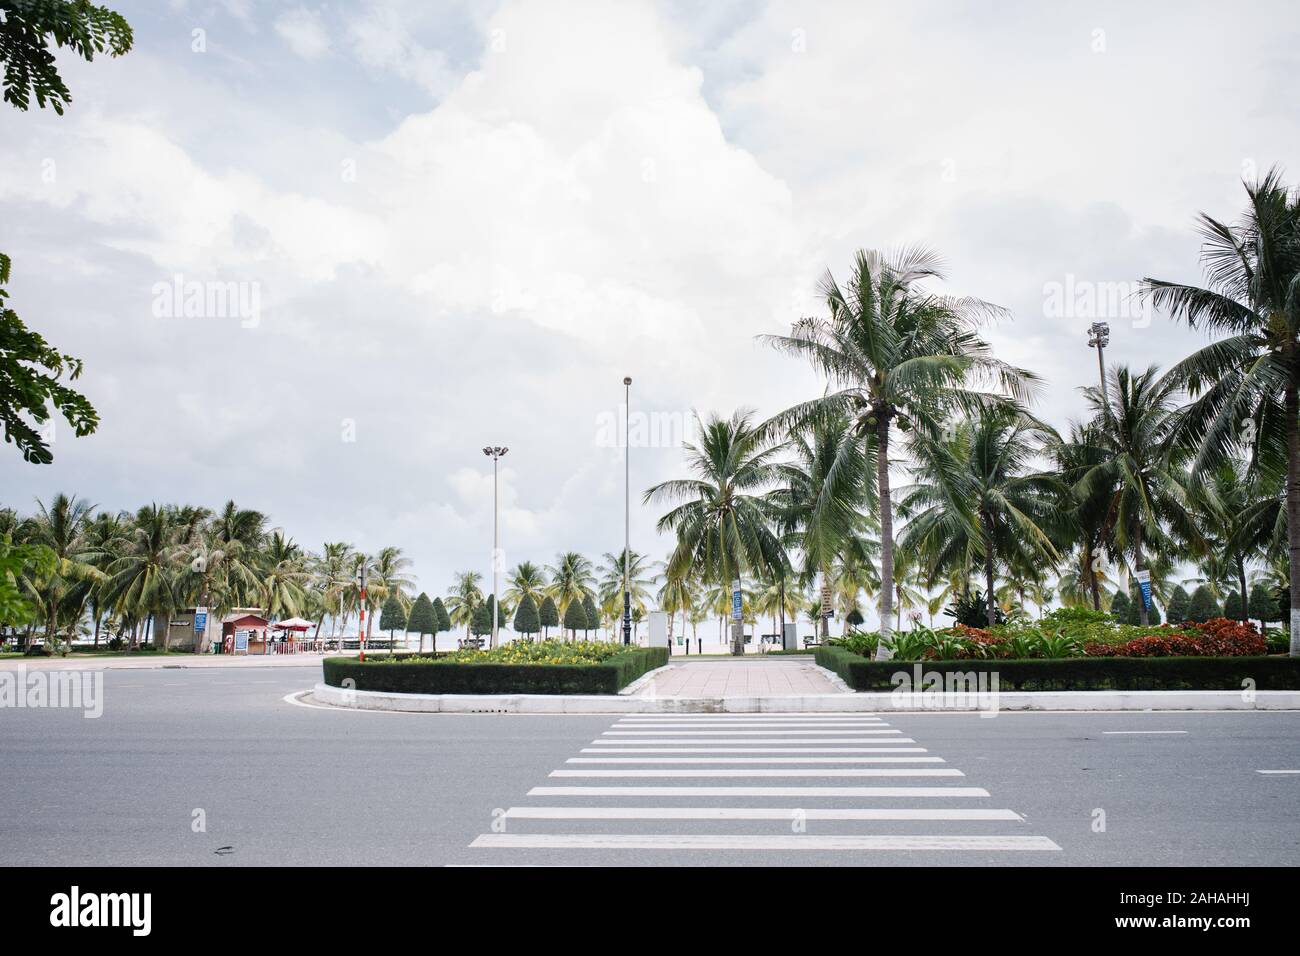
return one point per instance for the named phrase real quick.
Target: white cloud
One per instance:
(304, 30)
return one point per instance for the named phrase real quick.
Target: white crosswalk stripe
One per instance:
(722, 762)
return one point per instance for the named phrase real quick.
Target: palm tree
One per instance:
(1140, 464)
(639, 582)
(677, 594)
(572, 579)
(283, 577)
(526, 580)
(1088, 507)
(238, 534)
(1246, 387)
(385, 576)
(464, 598)
(331, 577)
(63, 528)
(725, 523)
(1238, 517)
(142, 578)
(894, 352)
(976, 501)
(823, 488)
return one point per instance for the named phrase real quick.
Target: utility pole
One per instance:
(496, 453)
(361, 631)
(627, 513)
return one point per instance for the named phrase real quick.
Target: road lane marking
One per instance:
(777, 772)
(752, 813)
(763, 740)
(1279, 772)
(713, 760)
(688, 841)
(697, 791)
(753, 750)
(783, 723)
(1124, 732)
(736, 732)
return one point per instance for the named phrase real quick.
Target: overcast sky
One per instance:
(460, 224)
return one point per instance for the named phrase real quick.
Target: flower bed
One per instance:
(1081, 673)
(542, 667)
(1065, 635)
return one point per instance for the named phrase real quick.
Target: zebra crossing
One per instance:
(759, 782)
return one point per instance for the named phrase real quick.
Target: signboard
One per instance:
(735, 604)
(200, 620)
(1144, 583)
(828, 606)
(241, 642)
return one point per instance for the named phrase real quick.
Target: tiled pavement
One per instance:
(741, 677)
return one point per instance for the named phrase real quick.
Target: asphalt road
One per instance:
(272, 782)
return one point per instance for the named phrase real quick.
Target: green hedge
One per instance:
(439, 677)
(1082, 673)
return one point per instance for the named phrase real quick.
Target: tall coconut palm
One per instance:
(572, 579)
(725, 523)
(1088, 510)
(676, 596)
(331, 572)
(1238, 516)
(894, 352)
(976, 501)
(640, 580)
(525, 580)
(142, 578)
(63, 528)
(284, 576)
(386, 576)
(823, 490)
(464, 598)
(1246, 387)
(1140, 464)
(238, 534)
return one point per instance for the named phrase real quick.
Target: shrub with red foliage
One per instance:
(1217, 637)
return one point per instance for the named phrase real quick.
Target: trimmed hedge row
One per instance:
(1080, 673)
(448, 677)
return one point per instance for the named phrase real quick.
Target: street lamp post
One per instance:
(1099, 338)
(627, 513)
(496, 453)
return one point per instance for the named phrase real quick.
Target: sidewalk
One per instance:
(741, 677)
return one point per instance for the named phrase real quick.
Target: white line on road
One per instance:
(806, 715)
(761, 740)
(781, 723)
(687, 841)
(1279, 772)
(711, 760)
(753, 750)
(750, 813)
(1123, 732)
(715, 733)
(778, 772)
(942, 792)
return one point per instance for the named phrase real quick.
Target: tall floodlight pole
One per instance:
(496, 453)
(1099, 338)
(627, 513)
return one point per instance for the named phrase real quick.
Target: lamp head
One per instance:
(627, 379)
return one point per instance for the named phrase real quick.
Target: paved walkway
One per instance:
(741, 677)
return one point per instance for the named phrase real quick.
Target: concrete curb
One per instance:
(644, 679)
(1169, 700)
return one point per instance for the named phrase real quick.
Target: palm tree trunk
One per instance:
(1293, 506)
(1092, 580)
(1241, 580)
(990, 600)
(1137, 562)
(886, 533)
